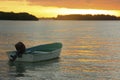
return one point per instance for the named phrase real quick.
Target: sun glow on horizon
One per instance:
(65, 11)
(54, 12)
(41, 11)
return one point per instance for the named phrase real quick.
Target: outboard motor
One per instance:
(20, 47)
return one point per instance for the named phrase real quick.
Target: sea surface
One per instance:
(91, 50)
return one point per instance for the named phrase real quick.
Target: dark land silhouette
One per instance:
(16, 16)
(44, 18)
(87, 17)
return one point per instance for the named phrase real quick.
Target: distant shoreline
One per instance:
(87, 17)
(77, 20)
(23, 16)
(17, 16)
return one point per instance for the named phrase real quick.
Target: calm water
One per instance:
(91, 50)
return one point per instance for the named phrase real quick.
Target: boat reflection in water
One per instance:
(23, 69)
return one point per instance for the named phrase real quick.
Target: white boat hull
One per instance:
(38, 53)
(36, 56)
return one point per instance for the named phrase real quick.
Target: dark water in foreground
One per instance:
(91, 50)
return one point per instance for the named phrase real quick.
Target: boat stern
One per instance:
(11, 53)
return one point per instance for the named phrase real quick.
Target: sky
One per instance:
(51, 8)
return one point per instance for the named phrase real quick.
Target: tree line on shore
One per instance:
(16, 16)
(87, 17)
(27, 16)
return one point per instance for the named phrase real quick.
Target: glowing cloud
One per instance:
(51, 8)
(79, 4)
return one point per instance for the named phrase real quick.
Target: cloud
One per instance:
(51, 8)
(78, 4)
(81, 4)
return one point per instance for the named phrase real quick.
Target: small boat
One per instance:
(39, 53)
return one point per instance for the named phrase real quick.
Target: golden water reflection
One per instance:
(90, 51)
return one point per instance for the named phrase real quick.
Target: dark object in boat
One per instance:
(20, 47)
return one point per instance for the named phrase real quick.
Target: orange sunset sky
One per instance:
(51, 8)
